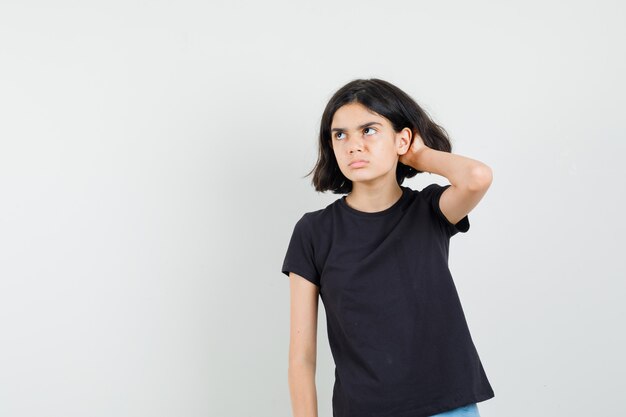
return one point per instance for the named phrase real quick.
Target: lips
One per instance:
(358, 162)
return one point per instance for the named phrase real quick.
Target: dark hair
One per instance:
(388, 101)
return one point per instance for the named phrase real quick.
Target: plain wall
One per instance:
(152, 157)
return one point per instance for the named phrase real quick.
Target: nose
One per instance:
(356, 144)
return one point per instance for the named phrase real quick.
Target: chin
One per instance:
(361, 178)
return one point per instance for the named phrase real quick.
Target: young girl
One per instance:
(378, 259)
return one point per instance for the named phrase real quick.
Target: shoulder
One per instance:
(431, 194)
(318, 218)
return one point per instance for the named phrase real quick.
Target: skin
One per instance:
(304, 301)
(374, 188)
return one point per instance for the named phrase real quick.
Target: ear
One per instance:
(403, 140)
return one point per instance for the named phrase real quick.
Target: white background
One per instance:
(152, 157)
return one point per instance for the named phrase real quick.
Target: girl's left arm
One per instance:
(470, 179)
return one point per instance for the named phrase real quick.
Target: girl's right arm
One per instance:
(303, 346)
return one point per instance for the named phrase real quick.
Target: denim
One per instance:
(470, 410)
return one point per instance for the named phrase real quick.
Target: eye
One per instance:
(367, 128)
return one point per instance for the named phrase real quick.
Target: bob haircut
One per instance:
(388, 101)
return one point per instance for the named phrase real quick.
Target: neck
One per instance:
(373, 199)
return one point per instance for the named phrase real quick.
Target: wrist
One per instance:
(418, 156)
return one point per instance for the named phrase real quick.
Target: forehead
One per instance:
(352, 115)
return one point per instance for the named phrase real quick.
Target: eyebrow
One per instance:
(341, 129)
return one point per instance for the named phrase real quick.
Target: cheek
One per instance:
(390, 155)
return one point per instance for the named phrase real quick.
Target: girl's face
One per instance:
(358, 134)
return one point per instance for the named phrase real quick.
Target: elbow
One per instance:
(300, 361)
(481, 178)
(301, 367)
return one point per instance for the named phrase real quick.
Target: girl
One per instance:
(378, 259)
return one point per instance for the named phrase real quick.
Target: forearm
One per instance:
(461, 171)
(302, 389)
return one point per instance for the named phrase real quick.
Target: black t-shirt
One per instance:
(396, 328)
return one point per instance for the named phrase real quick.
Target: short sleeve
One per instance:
(432, 193)
(299, 258)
